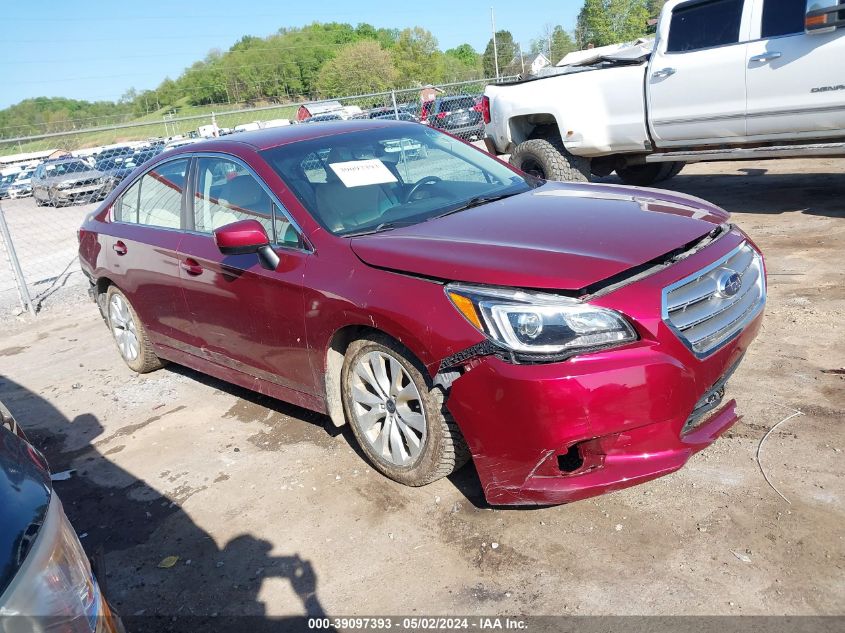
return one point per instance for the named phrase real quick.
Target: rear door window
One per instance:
(704, 24)
(783, 17)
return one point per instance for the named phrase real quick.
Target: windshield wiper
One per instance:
(477, 201)
(384, 226)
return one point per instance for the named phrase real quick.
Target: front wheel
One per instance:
(397, 416)
(129, 334)
(550, 160)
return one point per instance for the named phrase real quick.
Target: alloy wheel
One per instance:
(123, 328)
(388, 409)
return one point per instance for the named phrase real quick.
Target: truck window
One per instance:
(783, 17)
(704, 24)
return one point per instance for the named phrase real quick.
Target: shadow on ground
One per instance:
(757, 190)
(115, 526)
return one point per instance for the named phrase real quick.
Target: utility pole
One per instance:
(521, 58)
(495, 49)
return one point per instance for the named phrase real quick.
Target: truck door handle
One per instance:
(663, 73)
(766, 57)
(119, 248)
(191, 266)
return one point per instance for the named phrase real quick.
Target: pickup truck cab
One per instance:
(724, 80)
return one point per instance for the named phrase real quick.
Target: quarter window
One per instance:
(704, 24)
(160, 199)
(227, 192)
(783, 17)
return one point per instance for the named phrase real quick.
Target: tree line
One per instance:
(324, 60)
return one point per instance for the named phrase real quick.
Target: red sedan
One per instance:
(570, 339)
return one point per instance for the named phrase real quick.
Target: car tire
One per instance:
(416, 428)
(675, 170)
(648, 174)
(548, 159)
(132, 340)
(38, 201)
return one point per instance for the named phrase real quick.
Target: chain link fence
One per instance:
(52, 179)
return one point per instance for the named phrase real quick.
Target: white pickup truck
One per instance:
(724, 80)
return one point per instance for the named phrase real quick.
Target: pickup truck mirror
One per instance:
(246, 236)
(824, 16)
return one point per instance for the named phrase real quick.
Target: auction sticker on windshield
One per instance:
(358, 173)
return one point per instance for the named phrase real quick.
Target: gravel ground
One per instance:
(271, 510)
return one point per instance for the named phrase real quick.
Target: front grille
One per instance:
(707, 309)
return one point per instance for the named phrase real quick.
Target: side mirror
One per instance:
(823, 16)
(246, 236)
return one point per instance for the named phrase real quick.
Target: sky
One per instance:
(98, 49)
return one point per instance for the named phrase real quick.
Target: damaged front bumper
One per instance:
(549, 434)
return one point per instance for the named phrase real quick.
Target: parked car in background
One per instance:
(67, 180)
(180, 142)
(5, 183)
(46, 583)
(120, 167)
(400, 116)
(21, 186)
(321, 118)
(723, 80)
(113, 153)
(459, 115)
(570, 339)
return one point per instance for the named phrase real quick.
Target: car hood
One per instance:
(557, 236)
(25, 491)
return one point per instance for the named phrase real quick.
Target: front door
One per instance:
(248, 318)
(695, 82)
(795, 83)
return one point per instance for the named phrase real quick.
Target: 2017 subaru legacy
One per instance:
(570, 339)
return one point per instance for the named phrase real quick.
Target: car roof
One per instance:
(273, 137)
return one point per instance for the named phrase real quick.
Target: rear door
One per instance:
(248, 318)
(695, 84)
(141, 251)
(795, 83)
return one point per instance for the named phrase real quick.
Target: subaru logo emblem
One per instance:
(729, 283)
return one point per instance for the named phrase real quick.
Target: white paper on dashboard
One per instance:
(357, 173)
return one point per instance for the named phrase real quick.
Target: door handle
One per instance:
(119, 248)
(663, 73)
(766, 57)
(191, 266)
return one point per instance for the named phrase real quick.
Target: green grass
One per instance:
(154, 127)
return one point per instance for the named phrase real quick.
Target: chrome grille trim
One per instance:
(703, 319)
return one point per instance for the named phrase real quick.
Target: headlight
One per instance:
(539, 323)
(54, 588)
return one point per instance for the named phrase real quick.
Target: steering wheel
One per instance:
(428, 180)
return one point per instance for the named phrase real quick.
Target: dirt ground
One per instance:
(272, 511)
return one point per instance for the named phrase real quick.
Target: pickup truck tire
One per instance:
(548, 159)
(648, 174)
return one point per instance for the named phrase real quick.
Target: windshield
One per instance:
(7, 179)
(378, 179)
(60, 169)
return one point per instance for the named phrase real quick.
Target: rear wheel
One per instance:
(397, 416)
(548, 159)
(129, 334)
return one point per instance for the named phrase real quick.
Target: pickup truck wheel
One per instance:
(397, 415)
(676, 169)
(549, 160)
(645, 175)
